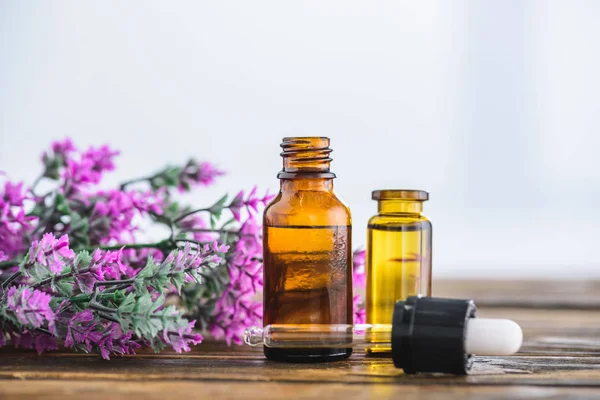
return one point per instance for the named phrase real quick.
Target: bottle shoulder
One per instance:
(400, 219)
(309, 208)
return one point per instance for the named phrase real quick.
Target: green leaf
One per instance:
(126, 307)
(218, 206)
(63, 287)
(38, 210)
(55, 302)
(143, 324)
(53, 165)
(172, 210)
(82, 260)
(157, 345)
(62, 205)
(178, 280)
(78, 223)
(141, 280)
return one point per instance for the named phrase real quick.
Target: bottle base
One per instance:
(379, 352)
(306, 355)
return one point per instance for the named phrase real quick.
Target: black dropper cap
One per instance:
(428, 335)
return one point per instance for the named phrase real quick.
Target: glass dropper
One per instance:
(481, 336)
(313, 336)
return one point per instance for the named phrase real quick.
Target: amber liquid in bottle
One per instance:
(307, 250)
(398, 255)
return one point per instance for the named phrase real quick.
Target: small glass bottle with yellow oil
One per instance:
(398, 255)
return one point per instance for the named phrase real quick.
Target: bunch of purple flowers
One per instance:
(74, 271)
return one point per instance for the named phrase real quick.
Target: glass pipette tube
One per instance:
(481, 336)
(313, 336)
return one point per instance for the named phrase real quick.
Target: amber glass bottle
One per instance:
(398, 254)
(307, 249)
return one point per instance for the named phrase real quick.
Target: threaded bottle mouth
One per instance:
(306, 157)
(400, 194)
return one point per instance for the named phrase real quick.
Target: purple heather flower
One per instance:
(250, 242)
(107, 264)
(189, 261)
(117, 342)
(85, 329)
(181, 339)
(3, 257)
(236, 205)
(82, 329)
(197, 222)
(132, 260)
(61, 151)
(231, 332)
(104, 265)
(360, 315)
(251, 203)
(219, 248)
(237, 308)
(114, 212)
(51, 253)
(13, 193)
(14, 223)
(245, 268)
(101, 159)
(27, 339)
(183, 259)
(89, 166)
(359, 275)
(246, 277)
(233, 316)
(194, 173)
(359, 278)
(30, 307)
(64, 147)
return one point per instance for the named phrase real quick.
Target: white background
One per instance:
(492, 106)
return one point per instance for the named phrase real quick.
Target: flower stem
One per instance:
(35, 184)
(135, 180)
(11, 279)
(114, 283)
(100, 307)
(187, 214)
(103, 309)
(109, 317)
(59, 277)
(163, 245)
(9, 263)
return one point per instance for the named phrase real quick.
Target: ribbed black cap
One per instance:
(428, 335)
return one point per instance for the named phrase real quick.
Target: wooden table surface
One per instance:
(560, 359)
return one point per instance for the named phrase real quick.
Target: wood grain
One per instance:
(560, 358)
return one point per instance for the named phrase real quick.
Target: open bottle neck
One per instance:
(400, 206)
(306, 157)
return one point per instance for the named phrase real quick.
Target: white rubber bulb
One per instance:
(493, 337)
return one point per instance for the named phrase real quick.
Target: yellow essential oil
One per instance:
(398, 255)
